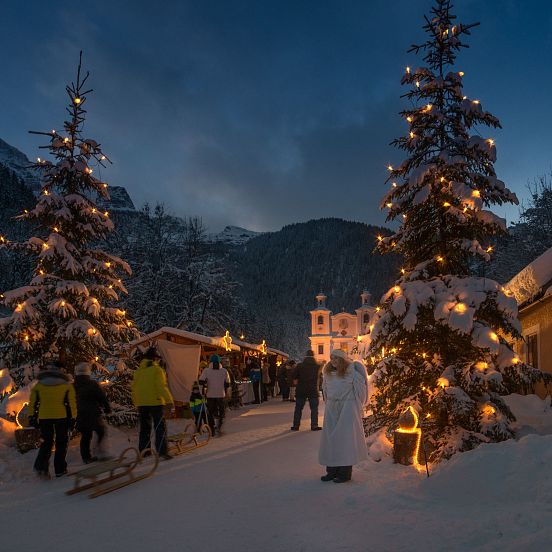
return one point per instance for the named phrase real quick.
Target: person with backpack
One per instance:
(53, 408)
(91, 401)
(150, 394)
(217, 380)
(306, 378)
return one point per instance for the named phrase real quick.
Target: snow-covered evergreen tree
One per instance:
(69, 309)
(440, 338)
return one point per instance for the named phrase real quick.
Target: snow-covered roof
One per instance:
(534, 281)
(214, 341)
(258, 347)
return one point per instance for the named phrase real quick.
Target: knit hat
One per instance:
(83, 369)
(54, 366)
(152, 354)
(339, 353)
(215, 358)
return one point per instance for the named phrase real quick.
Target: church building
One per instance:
(339, 331)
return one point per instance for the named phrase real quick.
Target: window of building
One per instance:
(320, 320)
(366, 318)
(320, 349)
(532, 350)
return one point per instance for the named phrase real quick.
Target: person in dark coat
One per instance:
(272, 374)
(307, 380)
(255, 376)
(290, 371)
(91, 401)
(283, 381)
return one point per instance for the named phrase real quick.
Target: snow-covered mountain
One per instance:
(234, 235)
(20, 164)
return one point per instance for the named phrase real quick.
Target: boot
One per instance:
(331, 474)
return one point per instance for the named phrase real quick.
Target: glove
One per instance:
(33, 421)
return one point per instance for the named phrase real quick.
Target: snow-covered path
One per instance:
(258, 488)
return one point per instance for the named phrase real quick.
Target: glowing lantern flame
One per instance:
(408, 423)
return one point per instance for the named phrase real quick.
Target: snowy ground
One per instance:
(258, 488)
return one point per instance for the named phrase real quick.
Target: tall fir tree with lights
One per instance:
(69, 309)
(440, 336)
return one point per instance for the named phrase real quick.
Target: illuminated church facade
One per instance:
(339, 331)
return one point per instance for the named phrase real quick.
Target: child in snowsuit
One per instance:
(197, 405)
(91, 400)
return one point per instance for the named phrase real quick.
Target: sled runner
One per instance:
(185, 442)
(103, 477)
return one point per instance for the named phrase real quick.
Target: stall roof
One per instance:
(257, 347)
(213, 341)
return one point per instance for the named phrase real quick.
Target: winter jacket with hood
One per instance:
(53, 397)
(91, 400)
(149, 385)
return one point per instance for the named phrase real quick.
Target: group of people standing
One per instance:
(58, 404)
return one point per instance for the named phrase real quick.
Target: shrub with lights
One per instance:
(440, 339)
(69, 309)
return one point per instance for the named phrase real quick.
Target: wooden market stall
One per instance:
(183, 353)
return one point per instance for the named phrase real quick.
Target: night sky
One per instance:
(263, 113)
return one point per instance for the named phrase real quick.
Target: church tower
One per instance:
(321, 329)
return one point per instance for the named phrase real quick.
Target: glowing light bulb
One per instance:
(428, 107)
(88, 170)
(412, 135)
(476, 102)
(107, 264)
(45, 245)
(417, 84)
(489, 249)
(103, 158)
(461, 73)
(491, 142)
(439, 259)
(77, 101)
(443, 382)
(56, 229)
(378, 308)
(397, 289)
(62, 303)
(65, 140)
(389, 168)
(394, 184)
(408, 70)
(46, 192)
(476, 193)
(460, 308)
(403, 271)
(493, 337)
(409, 119)
(389, 205)
(106, 214)
(442, 179)
(380, 238)
(481, 365)
(93, 209)
(446, 204)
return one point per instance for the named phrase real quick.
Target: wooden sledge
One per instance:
(181, 443)
(131, 466)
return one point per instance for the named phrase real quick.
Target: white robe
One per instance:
(343, 442)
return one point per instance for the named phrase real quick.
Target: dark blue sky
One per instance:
(262, 113)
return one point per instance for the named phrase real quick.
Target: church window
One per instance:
(320, 320)
(320, 349)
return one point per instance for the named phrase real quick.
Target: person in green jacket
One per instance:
(150, 394)
(53, 407)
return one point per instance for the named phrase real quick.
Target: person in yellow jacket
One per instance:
(150, 393)
(53, 407)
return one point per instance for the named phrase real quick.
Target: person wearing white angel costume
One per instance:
(345, 390)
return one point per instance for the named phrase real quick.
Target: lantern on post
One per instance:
(407, 438)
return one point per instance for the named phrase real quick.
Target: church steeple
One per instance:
(321, 300)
